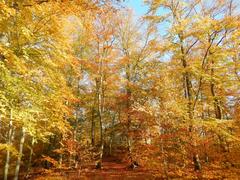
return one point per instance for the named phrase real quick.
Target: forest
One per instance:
(88, 90)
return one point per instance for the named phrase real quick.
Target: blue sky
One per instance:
(140, 9)
(137, 6)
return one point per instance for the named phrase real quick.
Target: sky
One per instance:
(140, 9)
(137, 6)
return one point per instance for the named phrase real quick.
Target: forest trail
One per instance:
(114, 169)
(111, 170)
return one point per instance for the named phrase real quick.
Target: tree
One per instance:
(197, 52)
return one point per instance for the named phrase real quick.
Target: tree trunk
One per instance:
(101, 142)
(128, 107)
(216, 102)
(197, 164)
(129, 145)
(75, 162)
(20, 154)
(111, 136)
(6, 164)
(110, 146)
(93, 127)
(100, 111)
(188, 96)
(30, 157)
(9, 143)
(0, 122)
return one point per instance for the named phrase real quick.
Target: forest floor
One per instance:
(114, 170)
(110, 171)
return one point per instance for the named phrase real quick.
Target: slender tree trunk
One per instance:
(30, 157)
(196, 160)
(75, 162)
(60, 160)
(130, 150)
(93, 129)
(101, 140)
(110, 146)
(100, 111)
(128, 107)
(100, 119)
(6, 167)
(9, 143)
(20, 154)
(216, 102)
(0, 122)
(111, 136)
(188, 96)
(133, 163)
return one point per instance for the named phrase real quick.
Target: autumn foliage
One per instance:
(85, 85)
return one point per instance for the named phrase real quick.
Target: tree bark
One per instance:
(197, 164)
(128, 107)
(216, 102)
(188, 96)
(20, 154)
(93, 129)
(9, 143)
(111, 136)
(100, 111)
(30, 156)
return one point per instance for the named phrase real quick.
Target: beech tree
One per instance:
(197, 52)
(85, 85)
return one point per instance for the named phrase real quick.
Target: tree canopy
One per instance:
(85, 82)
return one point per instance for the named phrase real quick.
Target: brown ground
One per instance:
(113, 170)
(109, 171)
